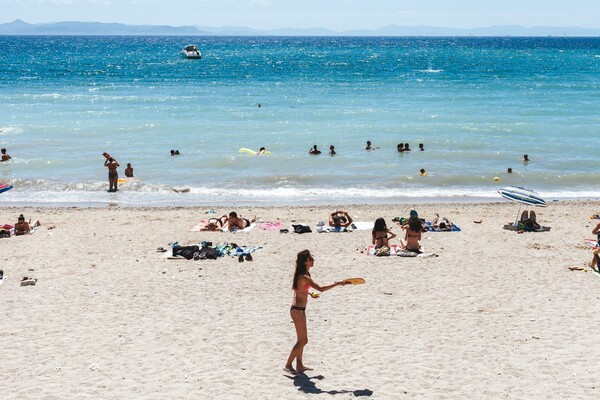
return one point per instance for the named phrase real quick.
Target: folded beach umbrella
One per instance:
(522, 195)
(5, 187)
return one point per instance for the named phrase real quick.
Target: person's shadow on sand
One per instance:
(305, 384)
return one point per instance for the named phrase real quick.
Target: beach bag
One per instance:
(187, 252)
(209, 253)
(382, 251)
(301, 228)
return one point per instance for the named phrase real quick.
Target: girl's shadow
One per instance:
(305, 384)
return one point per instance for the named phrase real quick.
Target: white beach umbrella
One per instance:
(522, 195)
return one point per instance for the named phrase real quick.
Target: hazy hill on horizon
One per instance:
(20, 27)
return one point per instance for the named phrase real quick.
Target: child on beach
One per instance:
(301, 284)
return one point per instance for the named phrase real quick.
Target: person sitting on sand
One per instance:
(215, 224)
(332, 150)
(314, 150)
(301, 284)
(442, 224)
(414, 216)
(235, 222)
(22, 227)
(381, 234)
(129, 171)
(412, 236)
(4, 156)
(340, 219)
(596, 258)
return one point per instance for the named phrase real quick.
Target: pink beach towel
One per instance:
(272, 226)
(200, 226)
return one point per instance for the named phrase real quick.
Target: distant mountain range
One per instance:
(19, 27)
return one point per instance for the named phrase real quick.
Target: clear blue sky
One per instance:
(332, 14)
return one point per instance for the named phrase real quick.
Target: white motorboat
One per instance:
(191, 51)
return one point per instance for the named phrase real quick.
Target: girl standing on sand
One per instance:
(302, 283)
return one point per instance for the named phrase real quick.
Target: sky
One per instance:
(336, 15)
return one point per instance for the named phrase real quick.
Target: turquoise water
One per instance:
(477, 104)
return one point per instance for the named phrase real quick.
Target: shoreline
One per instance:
(243, 203)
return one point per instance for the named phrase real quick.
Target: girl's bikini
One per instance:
(303, 309)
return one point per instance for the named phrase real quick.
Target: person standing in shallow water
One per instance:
(332, 150)
(113, 176)
(301, 285)
(314, 150)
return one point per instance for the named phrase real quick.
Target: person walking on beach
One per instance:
(5, 156)
(301, 284)
(113, 176)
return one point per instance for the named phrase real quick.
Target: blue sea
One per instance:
(476, 104)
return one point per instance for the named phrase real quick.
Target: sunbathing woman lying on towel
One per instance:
(443, 223)
(528, 221)
(215, 224)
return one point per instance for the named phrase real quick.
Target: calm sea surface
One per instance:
(477, 104)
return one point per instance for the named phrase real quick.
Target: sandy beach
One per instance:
(494, 314)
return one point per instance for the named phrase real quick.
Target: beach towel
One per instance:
(362, 225)
(511, 227)
(235, 230)
(332, 229)
(199, 227)
(272, 226)
(454, 228)
(394, 248)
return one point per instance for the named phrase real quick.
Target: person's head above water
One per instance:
(262, 149)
